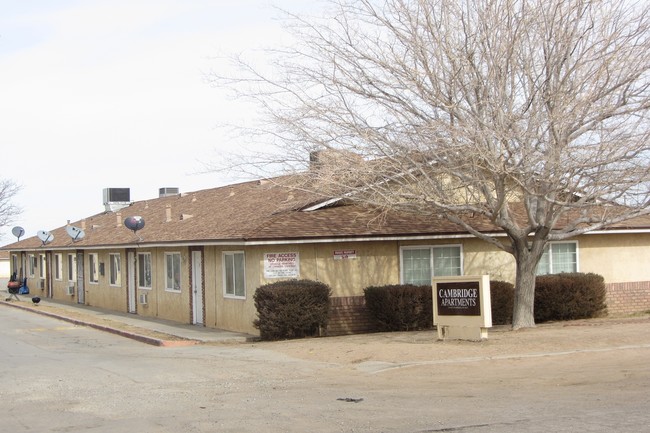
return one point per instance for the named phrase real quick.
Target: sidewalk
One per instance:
(148, 330)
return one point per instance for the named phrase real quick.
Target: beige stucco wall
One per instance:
(619, 258)
(161, 303)
(103, 294)
(376, 263)
(60, 286)
(223, 312)
(482, 258)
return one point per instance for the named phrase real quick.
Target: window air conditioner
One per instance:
(71, 289)
(143, 298)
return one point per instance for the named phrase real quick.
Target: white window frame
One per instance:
(93, 268)
(58, 267)
(72, 268)
(232, 292)
(115, 269)
(548, 250)
(173, 276)
(431, 257)
(42, 271)
(145, 264)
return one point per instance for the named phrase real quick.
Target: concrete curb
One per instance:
(134, 336)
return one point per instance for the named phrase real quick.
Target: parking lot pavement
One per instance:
(581, 376)
(148, 330)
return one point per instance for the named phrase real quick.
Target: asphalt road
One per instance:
(59, 377)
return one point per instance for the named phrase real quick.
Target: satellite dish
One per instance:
(134, 223)
(75, 233)
(18, 231)
(45, 236)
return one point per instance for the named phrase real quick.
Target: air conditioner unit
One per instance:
(41, 284)
(71, 289)
(168, 192)
(116, 198)
(143, 298)
(119, 195)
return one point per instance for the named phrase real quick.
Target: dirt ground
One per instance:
(403, 348)
(416, 347)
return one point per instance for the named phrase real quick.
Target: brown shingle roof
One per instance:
(250, 211)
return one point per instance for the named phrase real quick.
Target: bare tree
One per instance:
(532, 114)
(8, 210)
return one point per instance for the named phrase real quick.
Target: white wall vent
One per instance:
(168, 192)
(143, 298)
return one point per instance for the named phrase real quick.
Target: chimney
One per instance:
(315, 159)
(168, 213)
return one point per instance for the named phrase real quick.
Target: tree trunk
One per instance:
(523, 315)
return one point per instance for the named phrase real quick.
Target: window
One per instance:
(173, 271)
(144, 270)
(58, 266)
(41, 270)
(420, 264)
(72, 267)
(234, 274)
(115, 269)
(559, 257)
(32, 265)
(93, 267)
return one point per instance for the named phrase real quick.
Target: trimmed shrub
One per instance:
(502, 297)
(569, 296)
(291, 309)
(400, 307)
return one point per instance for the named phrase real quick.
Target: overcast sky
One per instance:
(97, 94)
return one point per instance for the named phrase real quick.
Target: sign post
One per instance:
(461, 307)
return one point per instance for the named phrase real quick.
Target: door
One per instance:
(81, 289)
(131, 282)
(197, 287)
(48, 275)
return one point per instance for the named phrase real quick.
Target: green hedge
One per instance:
(400, 307)
(291, 309)
(569, 296)
(502, 294)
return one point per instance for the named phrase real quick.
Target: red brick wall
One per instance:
(626, 298)
(348, 315)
